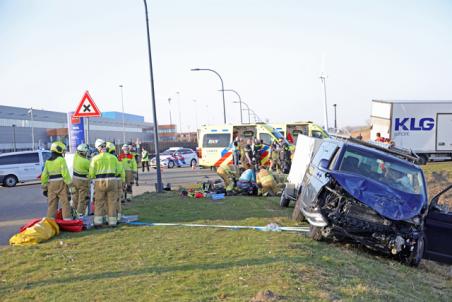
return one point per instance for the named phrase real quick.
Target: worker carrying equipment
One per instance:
(55, 182)
(144, 159)
(103, 169)
(266, 183)
(130, 167)
(80, 179)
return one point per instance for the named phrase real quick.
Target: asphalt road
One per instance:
(25, 201)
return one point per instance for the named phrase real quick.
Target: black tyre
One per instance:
(193, 163)
(284, 202)
(315, 233)
(170, 164)
(414, 257)
(10, 181)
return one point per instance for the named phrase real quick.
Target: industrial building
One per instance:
(20, 128)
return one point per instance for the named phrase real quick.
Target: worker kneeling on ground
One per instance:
(266, 183)
(130, 166)
(247, 181)
(227, 174)
(80, 179)
(120, 179)
(103, 169)
(55, 181)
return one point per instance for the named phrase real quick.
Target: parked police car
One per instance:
(177, 157)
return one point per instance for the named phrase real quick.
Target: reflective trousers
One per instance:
(227, 178)
(105, 195)
(119, 198)
(80, 194)
(58, 191)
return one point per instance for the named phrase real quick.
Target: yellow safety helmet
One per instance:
(58, 147)
(111, 147)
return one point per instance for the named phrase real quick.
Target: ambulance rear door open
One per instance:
(213, 142)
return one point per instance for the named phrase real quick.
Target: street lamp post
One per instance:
(169, 105)
(325, 107)
(32, 129)
(335, 117)
(240, 102)
(222, 88)
(154, 111)
(247, 109)
(178, 111)
(123, 120)
(14, 137)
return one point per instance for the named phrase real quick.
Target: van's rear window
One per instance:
(216, 140)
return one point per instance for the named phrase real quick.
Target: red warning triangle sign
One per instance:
(87, 107)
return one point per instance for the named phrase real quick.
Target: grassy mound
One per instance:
(206, 264)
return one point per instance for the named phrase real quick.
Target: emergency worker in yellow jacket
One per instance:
(80, 179)
(266, 183)
(130, 166)
(55, 182)
(227, 173)
(120, 178)
(103, 169)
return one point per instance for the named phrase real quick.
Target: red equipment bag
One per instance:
(70, 225)
(29, 224)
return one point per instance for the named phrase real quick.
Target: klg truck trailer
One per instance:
(424, 127)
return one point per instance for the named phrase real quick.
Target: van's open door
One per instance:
(438, 228)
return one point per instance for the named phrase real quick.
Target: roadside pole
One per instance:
(159, 188)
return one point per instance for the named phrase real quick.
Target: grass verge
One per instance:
(204, 264)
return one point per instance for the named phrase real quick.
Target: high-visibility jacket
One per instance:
(104, 166)
(144, 155)
(80, 166)
(264, 177)
(128, 162)
(121, 173)
(55, 170)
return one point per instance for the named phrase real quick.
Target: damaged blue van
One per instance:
(374, 196)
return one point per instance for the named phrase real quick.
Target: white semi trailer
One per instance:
(424, 127)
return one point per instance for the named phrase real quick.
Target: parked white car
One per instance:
(22, 166)
(177, 157)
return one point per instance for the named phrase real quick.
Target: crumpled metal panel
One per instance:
(386, 201)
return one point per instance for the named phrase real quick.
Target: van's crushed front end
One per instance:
(373, 215)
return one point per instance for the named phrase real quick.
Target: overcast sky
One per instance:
(270, 51)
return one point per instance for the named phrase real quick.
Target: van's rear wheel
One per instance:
(10, 181)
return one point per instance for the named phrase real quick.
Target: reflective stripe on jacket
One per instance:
(103, 165)
(55, 170)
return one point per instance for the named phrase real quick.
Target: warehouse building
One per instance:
(20, 128)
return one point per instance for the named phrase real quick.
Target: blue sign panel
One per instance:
(76, 131)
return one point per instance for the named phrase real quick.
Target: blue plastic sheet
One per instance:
(386, 201)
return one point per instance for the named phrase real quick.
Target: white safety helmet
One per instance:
(82, 148)
(100, 143)
(125, 147)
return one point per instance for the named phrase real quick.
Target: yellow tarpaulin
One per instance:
(39, 232)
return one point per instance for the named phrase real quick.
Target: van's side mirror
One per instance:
(324, 163)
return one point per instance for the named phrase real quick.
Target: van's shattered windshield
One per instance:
(385, 170)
